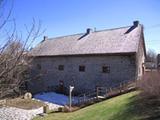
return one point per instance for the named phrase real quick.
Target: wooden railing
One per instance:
(104, 93)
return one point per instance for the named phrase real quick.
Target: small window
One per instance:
(61, 67)
(82, 68)
(39, 67)
(106, 69)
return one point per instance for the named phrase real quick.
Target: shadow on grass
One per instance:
(139, 109)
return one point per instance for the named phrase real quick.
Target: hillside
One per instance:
(124, 107)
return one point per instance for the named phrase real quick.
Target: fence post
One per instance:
(120, 87)
(70, 96)
(106, 92)
(84, 97)
(97, 92)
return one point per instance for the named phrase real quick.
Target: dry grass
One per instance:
(149, 98)
(150, 84)
(24, 103)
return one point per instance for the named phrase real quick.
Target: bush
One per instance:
(150, 84)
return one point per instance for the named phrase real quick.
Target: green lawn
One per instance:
(123, 107)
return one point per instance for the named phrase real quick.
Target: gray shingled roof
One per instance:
(119, 40)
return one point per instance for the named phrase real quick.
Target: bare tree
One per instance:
(151, 56)
(14, 57)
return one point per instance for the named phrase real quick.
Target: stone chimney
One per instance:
(88, 31)
(135, 23)
(45, 38)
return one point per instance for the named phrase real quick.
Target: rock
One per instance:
(46, 109)
(2, 102)
(28, 95)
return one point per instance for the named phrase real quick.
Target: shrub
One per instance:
(150, 84)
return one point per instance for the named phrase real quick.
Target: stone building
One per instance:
(103, 58)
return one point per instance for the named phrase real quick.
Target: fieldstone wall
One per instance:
(140, 59)
(122, 69)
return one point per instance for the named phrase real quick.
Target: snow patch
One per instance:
(53, 97)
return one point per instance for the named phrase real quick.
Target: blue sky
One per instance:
(65, 17)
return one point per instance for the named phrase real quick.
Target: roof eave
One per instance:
(96, 54)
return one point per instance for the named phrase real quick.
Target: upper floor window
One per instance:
(82, 68)
(39, 66)
(61, 67)
(105, 69)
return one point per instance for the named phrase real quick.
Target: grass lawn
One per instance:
(123, 107)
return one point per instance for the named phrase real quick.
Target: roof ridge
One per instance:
(64, 36)
(84, 32)
(113, 28)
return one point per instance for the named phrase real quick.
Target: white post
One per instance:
(70, 96)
